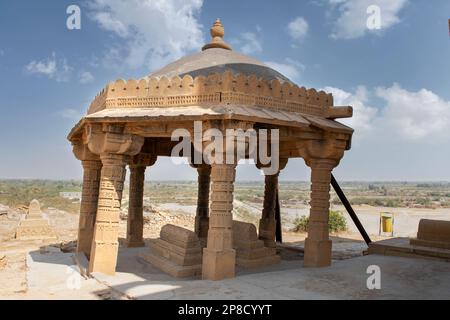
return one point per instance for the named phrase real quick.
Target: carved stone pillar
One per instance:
(115, 148)
(105, 245)
(318, 244)
(219, 257)
(135, 222)
(89, 196)
(202, 216)
(88, 207)
(267, 224)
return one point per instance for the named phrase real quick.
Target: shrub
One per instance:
(301, 224)
(336, 222)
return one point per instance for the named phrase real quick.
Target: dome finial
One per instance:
(217, 33)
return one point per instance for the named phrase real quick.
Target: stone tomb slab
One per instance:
(250, 251)
(433, 233)
(177, 252)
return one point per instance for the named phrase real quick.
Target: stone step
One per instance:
(174, 254)
(170, 267)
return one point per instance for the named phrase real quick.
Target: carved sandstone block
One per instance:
(250, 251)
(433, 233)
(177, 252)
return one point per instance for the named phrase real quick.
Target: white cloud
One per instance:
(415, 115)
(289, 68)
(152, 32)
(351, 20)
(86, 77)
(107, 22)
(406, 115)
(298, 28)
(363, 114)
(248, 43)
(51, 67)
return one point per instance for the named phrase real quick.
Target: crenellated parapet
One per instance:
(217, 89)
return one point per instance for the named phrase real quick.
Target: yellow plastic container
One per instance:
(386, 224)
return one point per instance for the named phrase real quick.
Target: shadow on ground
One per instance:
(401, 278)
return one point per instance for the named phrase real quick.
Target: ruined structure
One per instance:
(34, 226)
(132, 122)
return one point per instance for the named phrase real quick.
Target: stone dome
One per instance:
(217, 57)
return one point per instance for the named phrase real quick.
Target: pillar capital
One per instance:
(329, 149)
(142, 160)
(321, 164)
(111, 139)
(282, 162)
(82, 152)
(225, 141)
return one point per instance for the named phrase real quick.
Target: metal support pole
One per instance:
(350, 210)
(278, 230)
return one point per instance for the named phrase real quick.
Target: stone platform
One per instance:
(250, 251)
(402, 247)
(34, 230)
(433, 241)
(177, 252)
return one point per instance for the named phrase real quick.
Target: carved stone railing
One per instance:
(216, 89)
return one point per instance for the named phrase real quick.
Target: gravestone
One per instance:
(177, 252)
(34, 226)
(250, 251)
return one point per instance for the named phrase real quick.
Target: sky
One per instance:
(395, 74)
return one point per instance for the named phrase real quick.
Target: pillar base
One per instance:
(135, 244)
(104, 258)
(317, 253)
(218, 265)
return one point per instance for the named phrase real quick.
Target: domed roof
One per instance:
(217, 57)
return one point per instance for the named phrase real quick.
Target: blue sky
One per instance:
(397, 78)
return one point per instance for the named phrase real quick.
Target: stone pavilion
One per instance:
(130, 124)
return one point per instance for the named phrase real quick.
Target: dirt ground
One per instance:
(13, 252)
